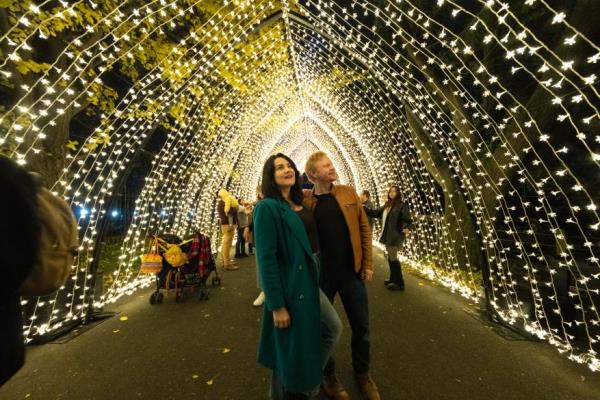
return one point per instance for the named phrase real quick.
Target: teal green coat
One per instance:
(289, 278)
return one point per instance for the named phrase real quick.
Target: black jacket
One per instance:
(19, 246)
(397, 219)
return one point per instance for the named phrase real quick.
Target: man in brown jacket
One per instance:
(346, 259)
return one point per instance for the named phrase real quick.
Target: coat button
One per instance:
(301, 296)
(300, 267)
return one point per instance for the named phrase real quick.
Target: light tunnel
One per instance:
(485, 113)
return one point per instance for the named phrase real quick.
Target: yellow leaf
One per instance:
(124, 318)
(72, 144)
(226, 350)
(209, 383)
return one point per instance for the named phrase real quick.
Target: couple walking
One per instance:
(311, 246)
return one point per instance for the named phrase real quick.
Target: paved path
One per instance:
(426, 345)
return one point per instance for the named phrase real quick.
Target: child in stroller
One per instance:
(192, 264)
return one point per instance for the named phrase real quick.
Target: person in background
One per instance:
(299, 324)
(346, 255)
(365, 198)
(249, 235)
(397, 225)
(305, 182)
(227, 210)
(19, 246)
(242, 219)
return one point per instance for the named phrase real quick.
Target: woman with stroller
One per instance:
(396, 223)
(299, 325)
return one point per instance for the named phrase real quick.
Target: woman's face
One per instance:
(392, 193)
(285, 176)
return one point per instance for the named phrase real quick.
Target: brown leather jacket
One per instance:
(356, 219)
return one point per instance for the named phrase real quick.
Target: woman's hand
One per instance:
(247, 234)
(406, 232)
(281, 318)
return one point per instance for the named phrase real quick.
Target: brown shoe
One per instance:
(367, 387)
(332, 389)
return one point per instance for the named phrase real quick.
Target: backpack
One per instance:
(59, 241)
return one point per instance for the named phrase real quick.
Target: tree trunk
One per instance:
(457, 214)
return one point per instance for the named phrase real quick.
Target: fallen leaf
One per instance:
(206, 315)
(116, 331)
(421, 284)
(212, 380)
(194, 376)
(226, 350)
(124, 318)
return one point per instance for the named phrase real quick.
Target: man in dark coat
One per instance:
(19, 246)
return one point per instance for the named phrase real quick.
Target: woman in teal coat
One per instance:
(299, 325)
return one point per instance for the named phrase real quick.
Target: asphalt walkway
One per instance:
(427, 344)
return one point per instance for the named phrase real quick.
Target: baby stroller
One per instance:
(186, 266)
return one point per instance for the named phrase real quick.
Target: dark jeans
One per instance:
(353, 292)
(240, 245)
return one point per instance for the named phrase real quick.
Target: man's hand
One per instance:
(281, 318)
(406, 232)
(247, 234)
(366, 274)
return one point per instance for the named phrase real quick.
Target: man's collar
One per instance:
(332, 190)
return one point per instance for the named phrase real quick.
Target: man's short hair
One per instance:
(312, 161)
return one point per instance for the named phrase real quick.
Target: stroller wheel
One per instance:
(179, 297)
(216, 281)
(156, 298)
(203, 295)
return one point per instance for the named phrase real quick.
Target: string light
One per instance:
(395, 93)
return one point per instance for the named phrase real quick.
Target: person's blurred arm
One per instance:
(20, 230)
(373, 212)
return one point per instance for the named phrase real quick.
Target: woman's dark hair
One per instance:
(396, 201)
(367, 193)
(270, 188)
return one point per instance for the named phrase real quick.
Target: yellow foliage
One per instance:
(27, 66)
(178, 112)
(103, 96)
(344, 77)
(72, 145)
